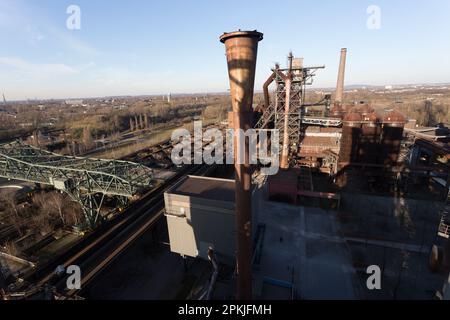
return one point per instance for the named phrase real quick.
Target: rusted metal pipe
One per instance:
(241, 50)
(341, 78)
(287, 105)
(284, 162)
(266, 89)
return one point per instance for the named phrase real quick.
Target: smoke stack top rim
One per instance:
(229, 35)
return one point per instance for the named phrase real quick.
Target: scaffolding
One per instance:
(86, 180)
(275, 111)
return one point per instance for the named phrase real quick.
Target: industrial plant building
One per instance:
(353, 190)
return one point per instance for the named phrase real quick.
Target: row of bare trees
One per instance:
(48, 210)
(139, 122)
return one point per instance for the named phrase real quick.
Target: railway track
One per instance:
(97, 250)
(106, 255)
(28, 134)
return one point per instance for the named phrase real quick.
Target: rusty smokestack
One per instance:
(242, 48)
(266, 89)
(341, 78)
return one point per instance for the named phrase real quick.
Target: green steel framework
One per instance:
(86, 180)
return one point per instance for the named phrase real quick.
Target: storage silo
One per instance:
(337, 111)
(369, 146)
(347, 108)
(351, 133)
(365, 110)
(362, 109)
(392, 134)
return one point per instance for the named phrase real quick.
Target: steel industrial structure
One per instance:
(290, 91)
(87, 181)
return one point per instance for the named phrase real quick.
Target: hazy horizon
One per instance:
(139, 48)
(174, 94)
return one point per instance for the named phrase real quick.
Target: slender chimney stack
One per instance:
(241, 51)
(341, 78)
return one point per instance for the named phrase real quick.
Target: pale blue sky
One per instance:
(136, 47)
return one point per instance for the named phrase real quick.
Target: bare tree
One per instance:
(73, 214)
(131, 125)
(141, 121)
(10, 204)
(45, 213)
(146, 121)
(74, 148)
(57, 202)
(43, 224)
(87, 138)
(12, 249)
(136, 122)
(116, 122)
(42, 203)
(17, 222)
(211, 112)
(161, 111)
(14, 216)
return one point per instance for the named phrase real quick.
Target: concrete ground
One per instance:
(303, 246)
(147, 270)
(396, 234)
(162, 174)
(321, 254)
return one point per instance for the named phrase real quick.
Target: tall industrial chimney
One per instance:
(341, 78)
(241, 51)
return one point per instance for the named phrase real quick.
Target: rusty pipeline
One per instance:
(266, 89)
(284, 162)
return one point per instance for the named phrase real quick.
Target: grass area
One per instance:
(151, 139)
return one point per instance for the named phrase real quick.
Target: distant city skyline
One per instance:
(130, 48)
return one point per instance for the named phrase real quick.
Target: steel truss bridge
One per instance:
(87, 181)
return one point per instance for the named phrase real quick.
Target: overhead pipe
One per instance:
(284, 163)
(241, 51)
(285, 152)
(341, 78)
(266, 85)
(266, 89)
